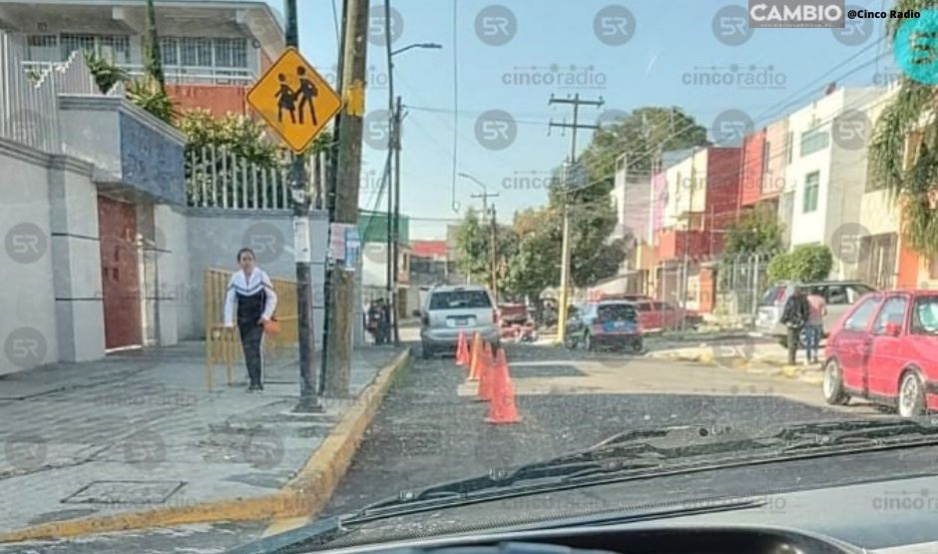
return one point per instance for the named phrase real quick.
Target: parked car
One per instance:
(608, 323)
(450, 310)
(885, 349)
(840, 296)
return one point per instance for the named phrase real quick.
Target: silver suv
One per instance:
(450, 310)
(839, 295)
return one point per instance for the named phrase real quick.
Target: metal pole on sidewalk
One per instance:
(309, 397)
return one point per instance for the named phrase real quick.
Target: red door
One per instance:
(886, 358)
(117, 225)
(851, 344)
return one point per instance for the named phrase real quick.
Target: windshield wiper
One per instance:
(653, 452)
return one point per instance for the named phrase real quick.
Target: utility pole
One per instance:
(309, 393)
(330, 186)
(494, 258)
(396, 135)
(576, 102)
(345, 208)
(485, 210)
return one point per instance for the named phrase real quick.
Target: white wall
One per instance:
(28, 332)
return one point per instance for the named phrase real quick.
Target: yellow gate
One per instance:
(223, 346)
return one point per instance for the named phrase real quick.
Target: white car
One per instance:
(450, 310)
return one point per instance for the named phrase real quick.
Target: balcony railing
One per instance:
(176, 75)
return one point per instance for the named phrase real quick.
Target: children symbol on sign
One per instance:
(306, 92)
(287, 97)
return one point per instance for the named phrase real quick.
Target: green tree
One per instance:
(535, 265)
(805, 263)
(756, 232)
(152, 58)
(911, 114)
(474, 248)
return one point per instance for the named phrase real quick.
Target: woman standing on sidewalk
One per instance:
(251, 291)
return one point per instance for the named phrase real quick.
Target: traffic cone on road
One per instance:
(486, 379)
(502, 408)
(474, 357)
(462, 351)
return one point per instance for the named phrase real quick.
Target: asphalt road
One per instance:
(430, 429)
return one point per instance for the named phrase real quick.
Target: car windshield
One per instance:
(460, 299)
(615, 312)
(340, 251)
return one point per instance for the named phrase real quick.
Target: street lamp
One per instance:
(394, 145)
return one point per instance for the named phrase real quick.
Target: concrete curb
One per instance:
(303, 497)
(808, 375)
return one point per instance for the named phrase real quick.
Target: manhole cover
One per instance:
(125, 492)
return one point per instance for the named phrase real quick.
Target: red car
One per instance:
(885, 349)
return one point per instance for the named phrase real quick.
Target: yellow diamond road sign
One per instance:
(294, 100)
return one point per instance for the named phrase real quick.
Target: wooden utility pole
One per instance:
(341, 290)
(485, 210)
(576, 102)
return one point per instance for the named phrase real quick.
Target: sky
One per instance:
(480, 104)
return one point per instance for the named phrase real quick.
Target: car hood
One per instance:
(700, 489)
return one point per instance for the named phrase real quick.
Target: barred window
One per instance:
(115, 48)
(231, 53)
(169, 50)
(196, 52)
(71, 43)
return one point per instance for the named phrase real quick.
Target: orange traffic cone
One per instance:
(462, 351)
(474, 358)
(486, 379)
(502, 408)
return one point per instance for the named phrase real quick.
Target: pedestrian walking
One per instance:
(814, 329)
(250, 301)
(794, 317)
(384, 321)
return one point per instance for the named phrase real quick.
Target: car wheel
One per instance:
(911, 395)
(588, 342)
(637, 346)
(833, 384)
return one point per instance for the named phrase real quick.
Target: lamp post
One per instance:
(394, 143)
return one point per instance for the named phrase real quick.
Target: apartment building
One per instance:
(212, 50)
(827, 173)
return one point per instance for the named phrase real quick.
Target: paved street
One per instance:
(430, 428)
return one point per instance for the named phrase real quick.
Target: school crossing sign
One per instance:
(294, 100)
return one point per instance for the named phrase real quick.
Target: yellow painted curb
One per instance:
(791, 371)
(303, 497)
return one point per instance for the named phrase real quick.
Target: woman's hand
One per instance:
(263, 321)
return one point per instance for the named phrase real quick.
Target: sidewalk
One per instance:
(136, 440)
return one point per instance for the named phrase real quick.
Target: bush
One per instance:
(805, 263)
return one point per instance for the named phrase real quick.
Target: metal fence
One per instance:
(223, 345)
(27, 104)
(741, 282)
(220, 178)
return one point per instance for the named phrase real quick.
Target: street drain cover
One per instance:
(125, 492)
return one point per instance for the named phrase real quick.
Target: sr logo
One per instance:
(496, 129)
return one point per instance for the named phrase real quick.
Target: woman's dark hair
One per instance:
(243, 250)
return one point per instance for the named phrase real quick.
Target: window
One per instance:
(115, 48)
(460, 299)
(615, 312)
(789, 146)
(925, 316)
(71, 43)
(230, 52)
(814, 140)
(169, 50)
(195, 52)
(836, 294)
(860, 318)
(893, 312)
(811, 185)
(855, 292)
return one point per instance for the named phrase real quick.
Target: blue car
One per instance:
(606, 324)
